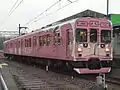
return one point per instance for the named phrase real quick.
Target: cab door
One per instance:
(94, 44)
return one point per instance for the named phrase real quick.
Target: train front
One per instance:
(92, 46)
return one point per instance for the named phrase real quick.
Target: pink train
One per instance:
(83, 44)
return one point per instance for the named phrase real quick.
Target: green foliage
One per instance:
(2, 39)
(115, 18)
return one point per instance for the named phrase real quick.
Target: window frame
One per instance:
(77, 37)
(95, 40)
(105, 35)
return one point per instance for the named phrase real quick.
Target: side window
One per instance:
(40, 40)
(69, 36)
(10, 45)
(48, 39)
(34, 41)
(57, 37)
(93, 35)
(44, 39)
(21, 42)
(18, 43)
(29, 40)
(25, 42)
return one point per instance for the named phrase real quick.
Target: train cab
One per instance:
(93, 45)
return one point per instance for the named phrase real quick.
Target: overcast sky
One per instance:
(29, 9)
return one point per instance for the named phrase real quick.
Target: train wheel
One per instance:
(69, 66)
(47, 65)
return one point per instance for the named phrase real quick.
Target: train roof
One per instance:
(53, 26)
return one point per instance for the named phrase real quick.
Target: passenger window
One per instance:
(58, 37)
(48, 39)
(18, 43)
(10, 45)
(40, 41)
(44, 39)
(21, 42)
(69, 36)
(93, 35)
(34, 41)
(25, 43)
(29, 40)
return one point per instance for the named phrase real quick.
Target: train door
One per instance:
(64, 39)
(34, 44)
(22, 44)
(66, 31)
(94, 42)
(69, 41)
(56, 42)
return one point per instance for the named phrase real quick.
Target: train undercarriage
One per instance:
(94, 65)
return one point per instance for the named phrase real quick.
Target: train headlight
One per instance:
(79, 49)
(107, 49)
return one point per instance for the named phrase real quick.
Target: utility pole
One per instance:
(21, 28)
(107, 7)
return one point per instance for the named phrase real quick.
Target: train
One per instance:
(83, 44)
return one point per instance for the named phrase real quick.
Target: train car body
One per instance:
(82, 43)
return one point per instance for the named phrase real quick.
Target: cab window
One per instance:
(105, 36)
(81, 35)
(93, 35)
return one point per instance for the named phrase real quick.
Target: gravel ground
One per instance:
(33, 78)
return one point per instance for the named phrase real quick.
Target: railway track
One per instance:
(113, 80)
(28, 77)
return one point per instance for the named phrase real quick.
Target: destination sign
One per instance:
(82, 23)
(105, 24)
(93, 23)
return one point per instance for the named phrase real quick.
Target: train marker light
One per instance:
(79, 50)
(107, 49)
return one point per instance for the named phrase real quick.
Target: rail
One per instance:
(6, 78)
(113, 80)
(3, 83)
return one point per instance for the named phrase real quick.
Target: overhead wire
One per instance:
(70, 1)
(34, 19)
(42, 12)
(13, 8)
(56, 10)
